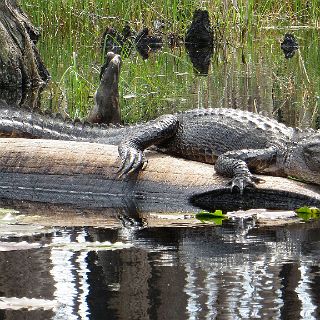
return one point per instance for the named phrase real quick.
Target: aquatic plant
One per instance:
(215, 217)
(308, 213)
(248, 69)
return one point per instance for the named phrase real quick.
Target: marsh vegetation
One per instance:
(166, 266)
(248, 69)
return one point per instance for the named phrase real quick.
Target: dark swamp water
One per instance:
(235, 271)
(167, 266)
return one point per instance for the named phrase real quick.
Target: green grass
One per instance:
(70, 46)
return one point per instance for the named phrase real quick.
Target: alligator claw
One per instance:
(132, 159)
(123, 162)
(242, 182)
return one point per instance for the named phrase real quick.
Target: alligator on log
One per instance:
(84, 175)
(75, 171)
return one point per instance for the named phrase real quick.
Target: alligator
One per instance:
(239, 143)
(106, 98)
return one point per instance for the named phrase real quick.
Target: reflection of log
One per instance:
(85, 174)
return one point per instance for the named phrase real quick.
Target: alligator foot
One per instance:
(132, 159)
(240, 183)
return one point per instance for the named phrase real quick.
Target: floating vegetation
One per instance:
(308, 213)
(211, 217)
(247, 70)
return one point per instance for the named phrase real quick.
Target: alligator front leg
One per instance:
(131, 149)
(236, 164)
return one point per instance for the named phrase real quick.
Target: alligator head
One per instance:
(106, 99)
(304, 160)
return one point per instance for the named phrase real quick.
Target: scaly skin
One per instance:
(239, 143)
(23, 123)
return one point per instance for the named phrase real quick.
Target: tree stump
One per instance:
(20, 62)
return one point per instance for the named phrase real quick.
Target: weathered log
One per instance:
(21, 64)
(85, 174)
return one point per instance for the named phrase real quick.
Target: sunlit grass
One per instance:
(70, 46)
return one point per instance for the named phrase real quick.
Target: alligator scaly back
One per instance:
(239, 143)
(19, 122)
(23, 123)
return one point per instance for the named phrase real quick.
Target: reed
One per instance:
(70, 45)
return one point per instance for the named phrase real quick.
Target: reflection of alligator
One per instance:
(234, 140)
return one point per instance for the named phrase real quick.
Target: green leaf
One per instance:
(308, 213)
(211, 217)
(312, 210)
(203, 214)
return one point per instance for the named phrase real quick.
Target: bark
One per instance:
(20, 62)
(84, 174)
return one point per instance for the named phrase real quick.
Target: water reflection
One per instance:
(254, 77)
(234, 271)
(200, 57)
(227, 272)
(146, 43)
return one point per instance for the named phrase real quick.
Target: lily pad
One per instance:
(308, 213)
(211, 217)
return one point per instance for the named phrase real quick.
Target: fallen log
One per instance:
(85, 175)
